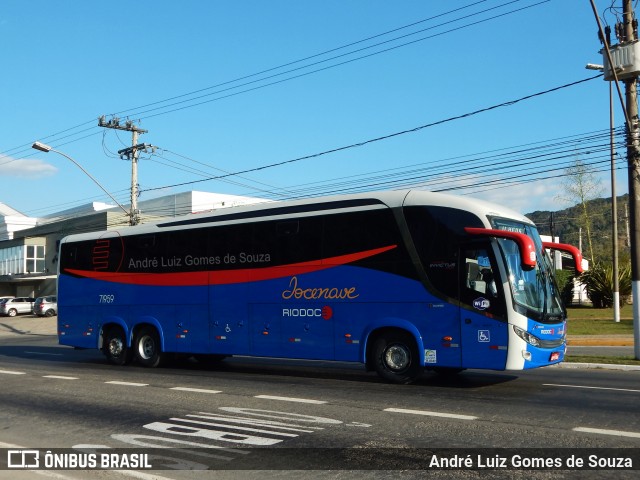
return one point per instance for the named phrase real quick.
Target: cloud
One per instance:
(522, 197)
(526, 197)
(26, 168)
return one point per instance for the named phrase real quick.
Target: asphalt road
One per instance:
(301, 414)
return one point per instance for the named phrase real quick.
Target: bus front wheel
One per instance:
(115, 347)
(147, 347)
(396, 358)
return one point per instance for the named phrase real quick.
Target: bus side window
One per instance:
(474, 277)
(479, 283)
(145, 242)
(69, 254)
(284, 229)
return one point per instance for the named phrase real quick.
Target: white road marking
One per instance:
(141, 475)
(291, 399)
(235, 427)
(47, 473)
(128, 384)
(60, 377)
(257, 421)
(196, 390)
(9, 445)
(592, 388)
(601, 431)
(11, 372)
(431, 414)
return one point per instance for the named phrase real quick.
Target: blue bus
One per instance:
(401, 281)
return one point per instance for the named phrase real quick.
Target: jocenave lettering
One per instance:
(317, 293)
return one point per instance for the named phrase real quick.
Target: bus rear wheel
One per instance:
(396, 358)
(115, 347)
(147, 347)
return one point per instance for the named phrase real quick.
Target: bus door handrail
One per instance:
(525, 243)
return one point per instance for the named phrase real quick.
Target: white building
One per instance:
(29, 246)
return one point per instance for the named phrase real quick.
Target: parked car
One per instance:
(46, 306)
(11, 307)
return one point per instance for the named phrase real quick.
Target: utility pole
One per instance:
(580, 238)
(132, 154)
(622, 63)
(626, 222)
(633, 162)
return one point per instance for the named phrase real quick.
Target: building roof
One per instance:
(154, 209)
(7, 211)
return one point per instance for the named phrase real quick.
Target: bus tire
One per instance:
(396, 358)
(115, 347)
(147, 349)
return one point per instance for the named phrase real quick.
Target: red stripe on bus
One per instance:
(226, 277)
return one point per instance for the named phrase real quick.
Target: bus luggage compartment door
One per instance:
(229, 323)
(292, 331)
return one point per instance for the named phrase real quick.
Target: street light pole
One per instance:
(614, 213)
(46, 148)
(614, 202)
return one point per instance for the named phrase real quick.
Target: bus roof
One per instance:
(315, 206)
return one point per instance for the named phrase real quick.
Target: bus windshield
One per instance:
(534, 291)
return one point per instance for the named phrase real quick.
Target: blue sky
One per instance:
(66, 63)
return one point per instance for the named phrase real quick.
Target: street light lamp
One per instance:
(46, 148)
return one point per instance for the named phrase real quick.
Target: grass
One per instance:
(599, 321)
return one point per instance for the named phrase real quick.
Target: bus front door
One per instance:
(484, 333)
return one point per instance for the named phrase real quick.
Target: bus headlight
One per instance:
(527, 337)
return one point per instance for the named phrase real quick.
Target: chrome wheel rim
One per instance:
(115, 347)
(146, 347)
(397, 357)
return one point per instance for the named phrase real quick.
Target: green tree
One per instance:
(598, 281)
(581, 185)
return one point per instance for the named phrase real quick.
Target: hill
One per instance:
(570, 226)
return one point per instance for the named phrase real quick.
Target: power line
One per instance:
(263, 187)
(25, 147)
(523, 150)
(276, 82)
(378, 139)
(310, 57)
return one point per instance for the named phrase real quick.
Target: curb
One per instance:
(599, 366)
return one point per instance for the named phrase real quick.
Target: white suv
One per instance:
(46, 306)
(13, 306)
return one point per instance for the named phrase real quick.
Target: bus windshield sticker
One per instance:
(509, 225)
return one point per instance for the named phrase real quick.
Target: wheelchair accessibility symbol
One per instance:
(484, 336)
